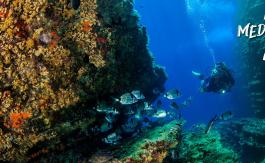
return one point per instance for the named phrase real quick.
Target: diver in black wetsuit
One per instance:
(220, 80)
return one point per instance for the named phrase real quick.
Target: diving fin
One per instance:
(198, 75)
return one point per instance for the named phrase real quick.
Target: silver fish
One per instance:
(138, 95)
(112, 138)
(160, 114)
(172, 94)
(127, 99)
(148, 106)
(107, 110)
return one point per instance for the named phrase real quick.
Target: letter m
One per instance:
(243, 31)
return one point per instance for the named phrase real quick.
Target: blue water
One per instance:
(179, 44)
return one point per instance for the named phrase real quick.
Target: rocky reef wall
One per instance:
(57, 62)
(245, 136)
(251, 52)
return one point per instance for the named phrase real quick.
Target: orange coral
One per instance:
(55, 39)
(4, 12)
(17, 119)
(86, 25)
(55, 36)
(53, 44)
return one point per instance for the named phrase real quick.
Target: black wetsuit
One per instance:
(221, 80)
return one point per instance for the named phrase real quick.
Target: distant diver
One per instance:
(220, 80)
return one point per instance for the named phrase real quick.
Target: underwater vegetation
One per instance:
(56, 61)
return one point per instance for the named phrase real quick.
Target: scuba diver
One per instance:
(220, 80)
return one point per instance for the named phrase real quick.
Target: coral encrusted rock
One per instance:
(56, 62)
